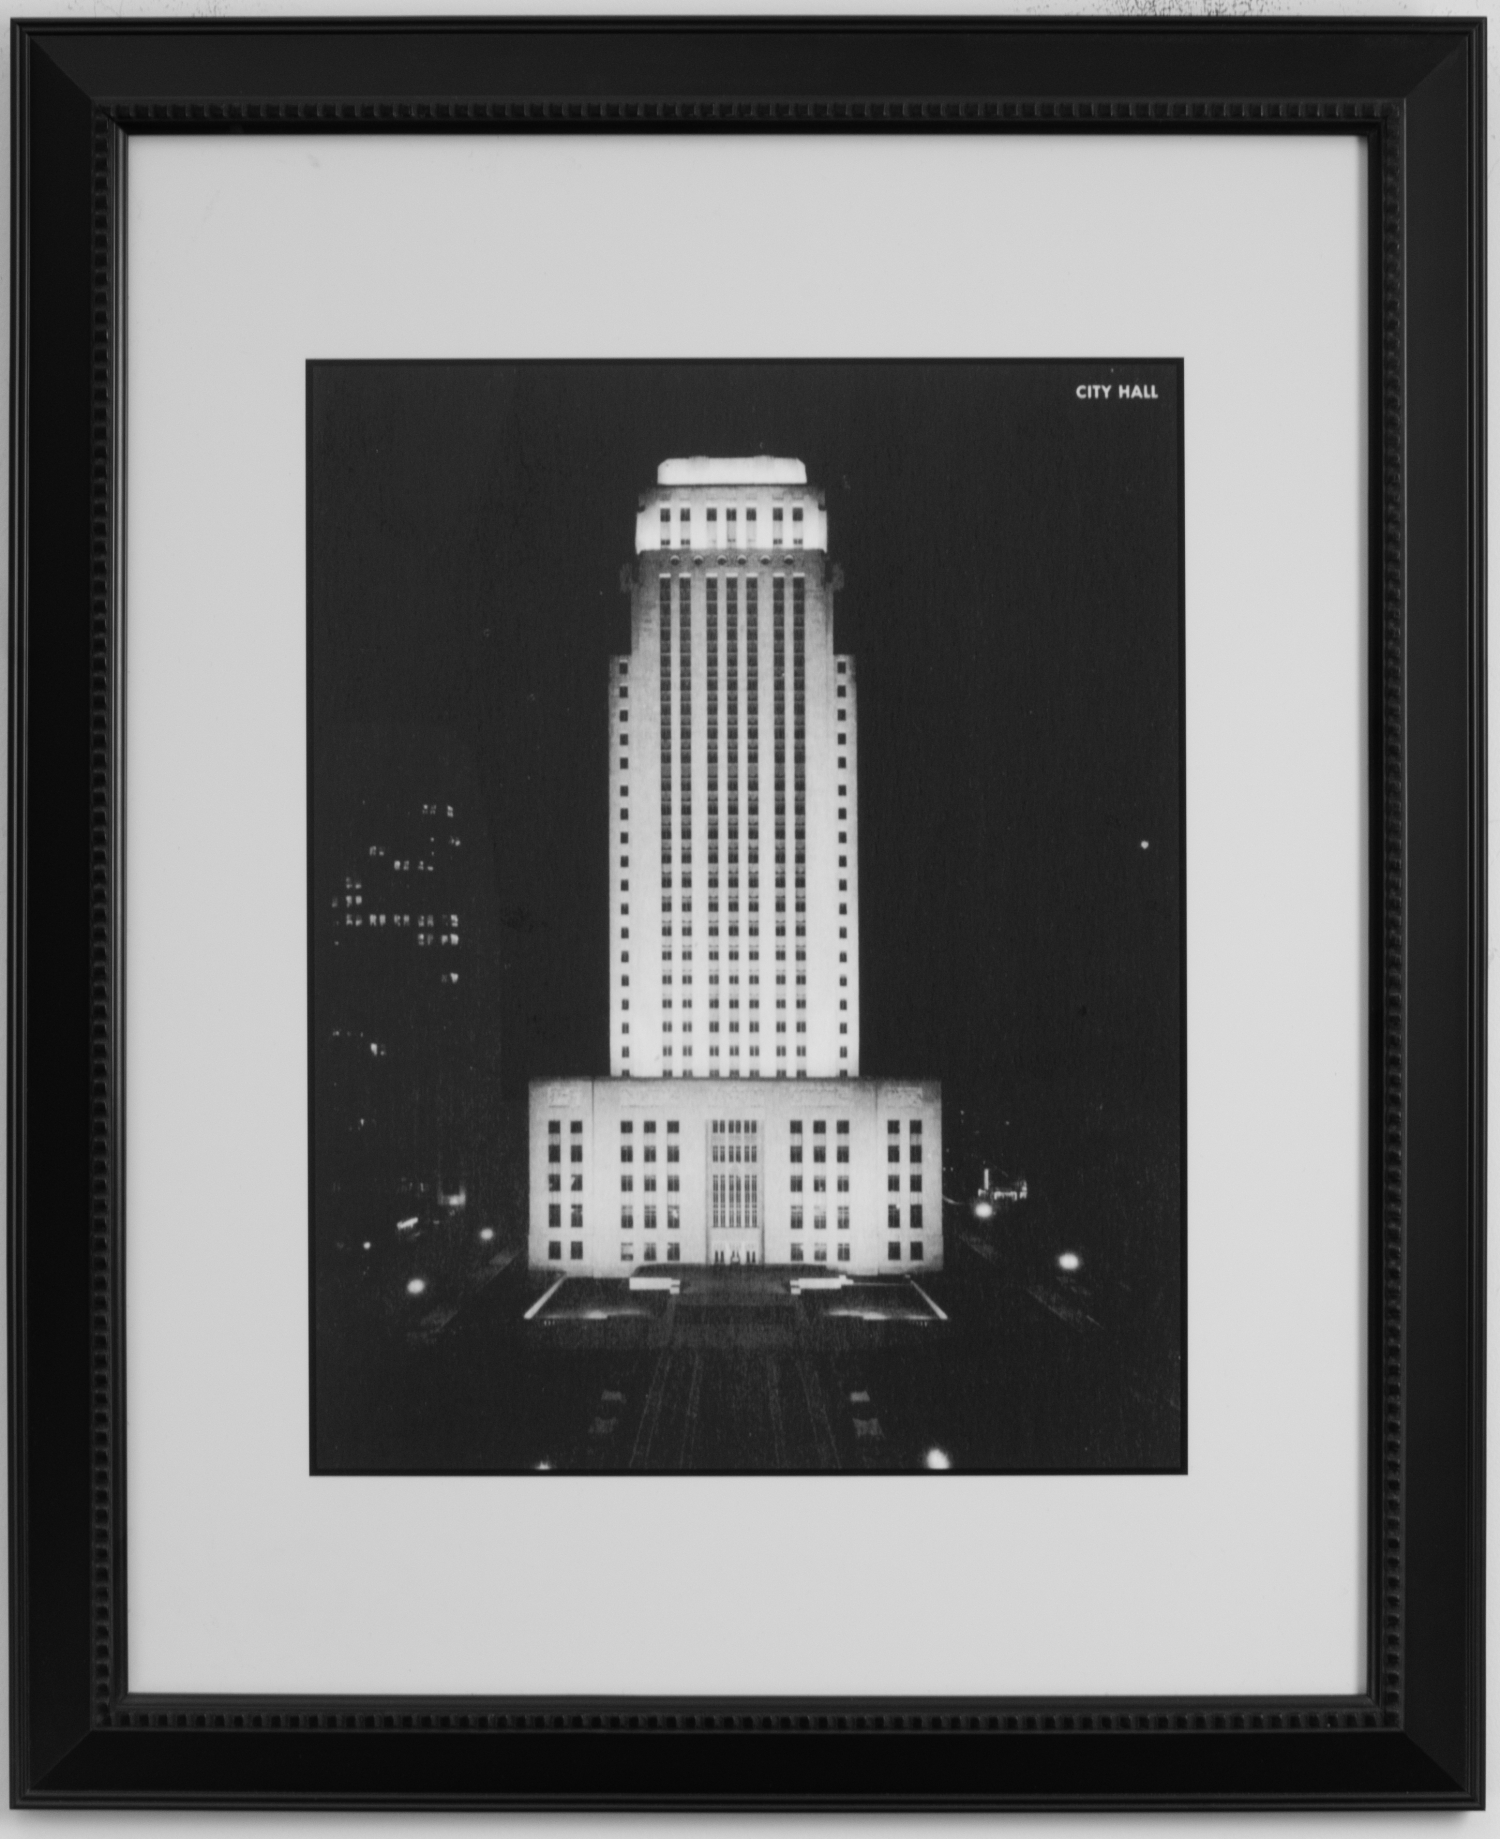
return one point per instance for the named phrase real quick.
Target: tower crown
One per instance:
(731, 507)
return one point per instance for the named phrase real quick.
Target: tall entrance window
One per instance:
(734, 1190)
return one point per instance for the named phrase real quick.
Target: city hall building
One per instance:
(734, 1127)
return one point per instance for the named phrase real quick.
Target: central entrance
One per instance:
(735, 1231)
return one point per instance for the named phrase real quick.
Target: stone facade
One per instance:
(734, 1127)
(845, 1174)
(734, 853)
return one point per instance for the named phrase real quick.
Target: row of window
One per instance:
(743, 1152)
(683, 525)
(734, 1202)
(915, 1253)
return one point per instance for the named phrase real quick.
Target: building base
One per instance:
(627, 1174)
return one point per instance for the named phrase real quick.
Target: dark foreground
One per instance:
(999, 1362)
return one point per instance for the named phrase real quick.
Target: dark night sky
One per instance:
(1013, 600)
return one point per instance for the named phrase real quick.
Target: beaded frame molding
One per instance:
(1413, 91)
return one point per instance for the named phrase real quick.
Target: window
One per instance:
(893, 1127)
(843, 1254)
(796, 1152)
(796, 1219)
(627, 1218)
(674, 1254)
(916, 1216)
(554, 1152)
(842, 1127)
(893, 1153)
(554, 1213)
(650, 1254)
(575, 1184)
(627, 1184)
(915, 1152)
(843, 1219)
(843, 1155)
(576, 1128)
(820, 1153)
(797, 1257)
(627, 1154)
(843, 1184)
(575, 1216)
(674, 1218)
(820, 1219)
(554, 1251)
(820, 1254)
(893, 1251)
(554, 1128)
(796, 1184)
(893, 1184)
(627, 1253)
(916, 1127)
(893, 1219)
(554, 1184)
(650, 1219)
(575, 1153)
(575, 1251)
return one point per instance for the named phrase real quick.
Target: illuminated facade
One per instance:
(734, 919)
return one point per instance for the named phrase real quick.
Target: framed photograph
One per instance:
(747, 914)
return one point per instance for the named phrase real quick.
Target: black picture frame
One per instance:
(1413, 90)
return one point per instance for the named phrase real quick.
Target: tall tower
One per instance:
(734, 856)
(734, 926)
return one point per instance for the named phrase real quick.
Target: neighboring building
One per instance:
(406, 1038)
(734, 923)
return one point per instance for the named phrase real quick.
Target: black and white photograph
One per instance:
(746, 917)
